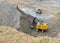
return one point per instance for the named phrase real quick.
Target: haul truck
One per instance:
(41, 25)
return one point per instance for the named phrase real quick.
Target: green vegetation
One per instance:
(41, 41)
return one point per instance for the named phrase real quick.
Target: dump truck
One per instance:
(35, 24)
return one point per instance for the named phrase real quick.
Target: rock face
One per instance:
(9, 16)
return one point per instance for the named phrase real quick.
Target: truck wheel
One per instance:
(37, 30)
(31, 27)
(45, 30)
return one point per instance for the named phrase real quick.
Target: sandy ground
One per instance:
(11, 35)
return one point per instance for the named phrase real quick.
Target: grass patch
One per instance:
(41, 41)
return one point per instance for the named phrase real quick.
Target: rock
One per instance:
(9, 15)
(58, 34)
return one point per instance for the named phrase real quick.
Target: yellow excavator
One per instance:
(43, 26)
